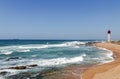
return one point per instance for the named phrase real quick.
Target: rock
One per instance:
(11, 58)
(18, 67)
(25, 75)
(33, 65)
(91, 43)
(23, 67)
(3, 73)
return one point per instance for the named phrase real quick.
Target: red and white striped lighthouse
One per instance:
(109, 35)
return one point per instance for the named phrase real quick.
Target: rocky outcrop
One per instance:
(18, 67)
(12, 58)
(23, 67)
(45, 74)
(3, 73)
(33, 65)
(91, 43)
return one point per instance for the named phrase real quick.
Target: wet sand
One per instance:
(69, 72)
(106, 71)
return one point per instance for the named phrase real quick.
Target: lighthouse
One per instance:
(109, 35)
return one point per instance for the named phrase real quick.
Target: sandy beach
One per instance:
(106, 71)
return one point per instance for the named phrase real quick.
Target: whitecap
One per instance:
(6, 52)
(33, 46)
(11, 72)
(27, 50)
(41, 63)
(33, 55)
(75, 44)
(84, 55)
(57, 61)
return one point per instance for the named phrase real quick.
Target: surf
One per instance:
(48, 54)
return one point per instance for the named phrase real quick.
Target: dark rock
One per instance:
(33, 65)
(26, 75)
(3, 73)
(49, 71)
(12, 58)
(45, 74)
(18, 67)
(91, 43)
(23, 67)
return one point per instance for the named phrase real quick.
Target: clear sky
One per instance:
(59, 19)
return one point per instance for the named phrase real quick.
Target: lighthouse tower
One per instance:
(109, 35)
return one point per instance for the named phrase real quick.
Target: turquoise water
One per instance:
(49, 53)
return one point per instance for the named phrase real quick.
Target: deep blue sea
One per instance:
(49, 53)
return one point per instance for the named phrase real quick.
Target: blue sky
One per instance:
(59, 19)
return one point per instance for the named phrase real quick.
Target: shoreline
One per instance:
(76, 71)
(109, 70)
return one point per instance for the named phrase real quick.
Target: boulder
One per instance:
(18, 67)
(33, 65)
(23, 67)
(12, 58)
(3, 73)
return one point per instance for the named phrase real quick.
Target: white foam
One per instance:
(32, 46)
(75, 44)
(46, 62)
(27, 50)
(84, 55)
(108, 55)
(6, 52)
(40, 62)
(2, 77)
(57, 61)
(33, 55)
(11, 72)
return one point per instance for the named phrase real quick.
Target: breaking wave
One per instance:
(58, 61)
(27, 48)
(6, 52)
(108, 55)
(40, 62)
(51, 55)
(66, 44)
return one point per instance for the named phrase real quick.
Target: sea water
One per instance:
(48, 53)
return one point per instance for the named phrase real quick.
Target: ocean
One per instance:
(46, 54)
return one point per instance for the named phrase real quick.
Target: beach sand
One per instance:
(106, 71)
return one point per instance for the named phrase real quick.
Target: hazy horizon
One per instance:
(59, 19)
